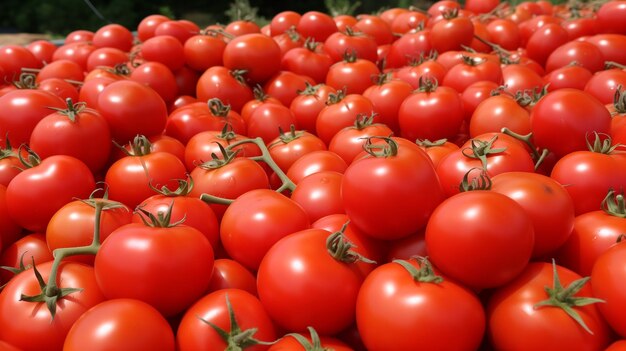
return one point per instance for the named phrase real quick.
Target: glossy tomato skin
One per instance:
(289, 343)
(230, 274)
(493, 226)
(337, 115)
(515, 324)
(73, 226)
(132, 108)
(255, 221)
(31, 106)
(607, 277)
(130, 325)
(194, 334)
(408, 177)
(497, 112)
(9, 229)
(314, 162)
(297, 282)
(32, 246)
(574, 114)
(256, 53)
(547, 203)
(43, 332)
(144, 263)
(320, 194)
(392, 309)
(58, 179)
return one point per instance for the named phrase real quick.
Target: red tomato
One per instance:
(604, 84)
(353, 42)
(73, 225)
(607, 279)
(297, 282)
(13, 58)
(470, 70)
(42, 50)
(348, 143)
(10, 164)
(544, 42)
(63, 68)
(353, 75)
(314, 162)
(610, 17)
(570, 76)
(386, 96)
(400, 299)
(31, 105)
(147, 26)
(574, 114)
(78, 52)
(232, 310)
(45, 332)
(228, 86)
(399, 171)
(452, 32)
(255, 53)
(201, 52)
(285, 86)
(320, 194)
(290, 146)
(585, 54)
(517, 322)
(504, 32)
(408, 47)
(35, 194)
(259, 218)
(497, 112)
(284, 20)
(375, 27)
(310, 60)
(547, 203)
(230, 274)
(308, 104)
(316, 25)
(114, 36)
(474, 94)
(610, 45)
(158, 77)
(180, 29)
(417, 70)
(268, 120)
(521, 78)
(129, 324)
(22, 253)
(341, 111)
(291, 342)
(153, 258)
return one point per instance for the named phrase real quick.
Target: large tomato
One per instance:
(297, 282)
(129, 324)
(45, 332)
(396, 169)
(20, 255)
(229, 86)
(398, 299)
(520, 317)
(257, 54)
(144, 261)
(239, 314)
(607, 279)
(341, 111)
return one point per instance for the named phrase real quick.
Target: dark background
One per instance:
(59, 17)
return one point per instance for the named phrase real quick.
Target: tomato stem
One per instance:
(314, 345)
(527, 139)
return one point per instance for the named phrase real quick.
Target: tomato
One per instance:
(348, 143)
(284, 20)
(109, 57)
(590, 174)
(63, 68)
(42, 50)
(618, 345)
(13, 58)
(59, 87)
(547, 203)
(585, 54)
(220, 82)
(240, 27)
(314, 162)
(386, 96)
(21, 254)
(452, 32)
(285, 86)
(474, 94)
(574, 114)
(517, 322)
(73, 224)
(416, 69)
(316, 25)
(78, 52)
(180, 29)
(319, 194)
(255, 53)
(395, 302)
(432, 112)
(497, 112)
(35, 194)
(158, 77)
(610, 17)
(406, 21)
(297, 282)
(481, 6)
(609, 45)
(470, 70)
(353, 75)
(235, 312)
(267, 121)
(400, 172)
(607, 277)
(45, 332)
(291, 342)
(521, 78)
(341, 111)
(115, 36)
(409, 46)
(31, 105)
(308, 104)
(153, 254)
(353, 42)
(311, 60)
(201, 52)
(10, 164)
(290, 146)
(376, 28)
(147, 26)
(504, 32)
(570, 76)
(75, 131)
(230, 274)
(604, 84)
(544, 42)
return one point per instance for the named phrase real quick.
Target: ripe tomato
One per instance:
(504, 32)
(585, 54)
(610, 17)
(399, 171)
(314, 162)
(45, 332)
(230, 274)
(299, 342)
(408, 47)
(13, 58)
(148, 24)
(159, 77)
(319, 194)
(290, 146)
(57, 180)
(284, 20)
(201, 52)
(285, 86)
(316, 25)
(63, 68)
(574, 114)
(474, 94)
(607, 279)
(545, 40)
(497, 112)
(516, 322)
(154, 255)
(452, 32)
(257, 54)
(570, 76)
(394, 303)
(341, 111)
(297, 282)
(255, 221)
(114, 36)
(470, 70)
(386, 96)
(73, 225)
(353, 75)
(308, 104)
(310, 60)
(268, 120)
(228, 86)
(350, 41)
(129, 324)
(604, 84)
(22, 253)
(236, 312)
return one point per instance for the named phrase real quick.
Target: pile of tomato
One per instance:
(449, 178)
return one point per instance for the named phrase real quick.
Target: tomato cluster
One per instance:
(441, 179)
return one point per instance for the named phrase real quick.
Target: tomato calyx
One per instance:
(480, 149)
(238, 74)
(259, 94)
(218, 108)
(314, 345)
(415, 61)
(7, 151)
(426, 272)
(341, 249)
(482, 182)
(529, 98)
(31, 160)
(72, 109)
(450, 14)
(26, 80)
(140, 146)
(536, 156)
(505, 56)
(163, 219)
(286, 138)
(472, 60)
(50, 293)
(310, 44)
(104, 202)
(425, 143)
(310, 89)
(602, 144)
(183, 189)
(563, 297)
(16, 270)
(336, 97)
(388, 149)
(619, 101)
(613, 204)
(382, 78)
(216, 162)
(362, 120)
(236, 339)
(427, 84)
